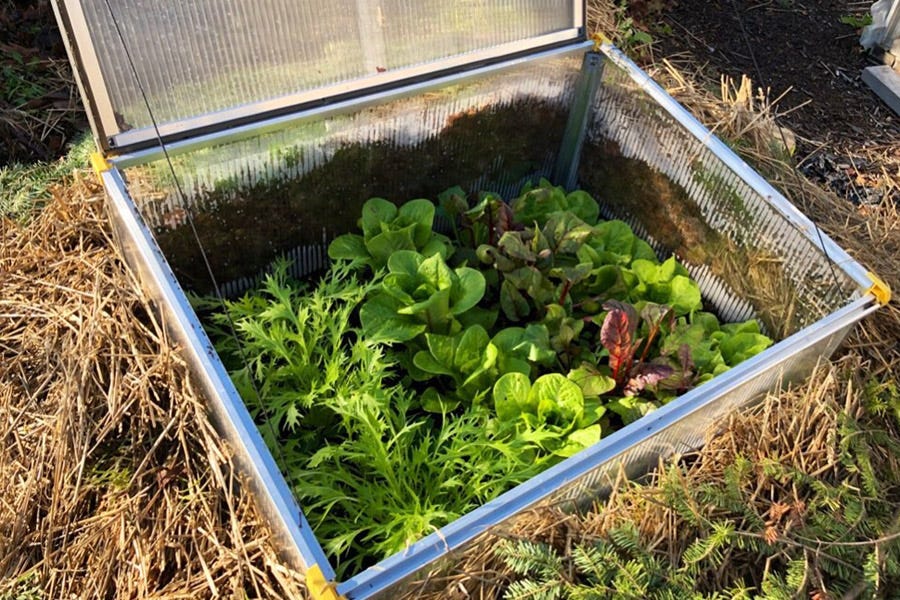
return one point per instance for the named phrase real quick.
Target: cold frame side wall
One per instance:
(291, 191)
(678, 194)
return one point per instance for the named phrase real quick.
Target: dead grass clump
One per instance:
(115, 483)
(796, 482)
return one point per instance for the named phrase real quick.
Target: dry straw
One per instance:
(114, 483)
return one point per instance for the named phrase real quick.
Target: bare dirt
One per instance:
(848, 140)
(40, 112)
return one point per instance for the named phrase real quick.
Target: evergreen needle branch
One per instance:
(804, 546)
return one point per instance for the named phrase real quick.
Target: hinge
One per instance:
(320, 588)
(879, 289)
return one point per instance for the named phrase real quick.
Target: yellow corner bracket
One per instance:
(318, 587)
(599, 39)
(99, 163)
(879, 289)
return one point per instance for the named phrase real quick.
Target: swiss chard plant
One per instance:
(423, 376)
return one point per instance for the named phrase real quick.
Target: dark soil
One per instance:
(40, 112)
(800, 48)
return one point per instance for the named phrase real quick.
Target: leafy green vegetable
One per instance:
(537, 204)
(553, 404)
(298, 345)
(538, 266)
(394, 477)
(469, 362)
(483, 223)
(421, 294)
(458, 370)
(632, 372)
(387, 229)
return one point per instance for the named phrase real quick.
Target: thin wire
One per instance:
(190, 218)
(761, 80)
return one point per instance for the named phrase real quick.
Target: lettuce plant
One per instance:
(552, 403)
(421, 294)
(537, 204)
(387, 229)
(462, 368)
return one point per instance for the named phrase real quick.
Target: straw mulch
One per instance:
(113, 483)
(800, 428)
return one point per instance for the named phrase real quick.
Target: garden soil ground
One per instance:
(801, 52)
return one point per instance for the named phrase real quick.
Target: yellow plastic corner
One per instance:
(318, 587)
(600, 39)
(879, 289)
(99, 163)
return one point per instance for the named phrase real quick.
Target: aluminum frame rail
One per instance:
(302, 550)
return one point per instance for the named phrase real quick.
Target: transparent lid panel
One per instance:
(199, 57)
(292, 190)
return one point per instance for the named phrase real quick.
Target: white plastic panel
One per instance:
(206, 63)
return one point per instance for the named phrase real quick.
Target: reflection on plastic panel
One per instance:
(709, 213)
(292, 191)
(198, 56)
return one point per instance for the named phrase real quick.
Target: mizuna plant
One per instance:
(422, 376)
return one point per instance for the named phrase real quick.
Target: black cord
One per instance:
(190, 218)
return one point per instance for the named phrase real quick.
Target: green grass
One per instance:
(25, 587)
(21, 80)
(25, 187)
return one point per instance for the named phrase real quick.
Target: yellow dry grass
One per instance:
(114, 483)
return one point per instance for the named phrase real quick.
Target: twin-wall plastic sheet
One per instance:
(292, 190)
(749, 258)
(195, 57)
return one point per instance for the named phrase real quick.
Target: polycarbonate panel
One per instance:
(197, 57)
(677, 437)
(750, 260)
(292, 191)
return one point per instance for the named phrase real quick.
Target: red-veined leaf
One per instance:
(617, 336)
(644, 375)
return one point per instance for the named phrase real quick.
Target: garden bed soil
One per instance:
(848, 140)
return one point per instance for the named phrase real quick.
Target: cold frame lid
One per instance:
(195, 66)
